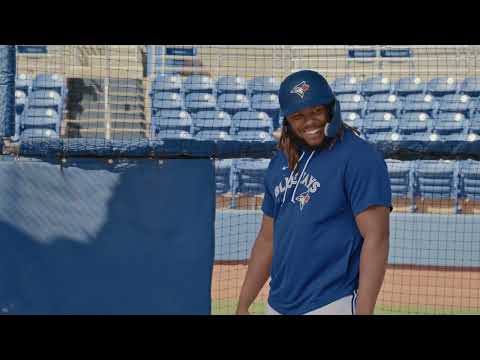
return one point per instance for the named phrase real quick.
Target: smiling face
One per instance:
(309, 124)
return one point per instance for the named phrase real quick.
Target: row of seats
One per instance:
(433, 105)
(228, 103)
(437, 86)
(223, 85)
(443, 124)
(426, 179)
(39, 104)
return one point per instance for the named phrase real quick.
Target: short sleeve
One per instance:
(268, 204)
(366, 180)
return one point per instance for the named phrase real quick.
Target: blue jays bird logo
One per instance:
(300, 89)
(303, 199)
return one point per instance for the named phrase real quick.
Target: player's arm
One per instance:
(259, 266)
(373, 224)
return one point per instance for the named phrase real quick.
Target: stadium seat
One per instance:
(231, 84)
(401, 180)
(233, 103)
(20, 101)
(251, 120)
(420, 103)
(441, 86)
(249, 175)
(195, 102)
(39, 133)
(376, 85)
(409, 85)
(437, 180)
(414, 122)
(167, 83)
(352, 103)
(167, 101)
(253, 135)
(173, 120)
(23, 82)
(352, 119)
(173, 134)
(379, 123)
(470, 86)
(199, 83)
(45, 99)
(450, 123)
(346, 85)
(213, 135)
(384, 103)
(49, 82)
(263, 84)
(474, 125)
(470, 180)
(383, 137)
(459, 103)
(223, 177)
(212, 120)
(269, 104)
(40, 118)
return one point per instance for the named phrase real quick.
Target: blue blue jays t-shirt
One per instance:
(316, 241)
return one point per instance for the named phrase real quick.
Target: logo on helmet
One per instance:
(300, 89)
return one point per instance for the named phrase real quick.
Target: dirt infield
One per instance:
(406, 289)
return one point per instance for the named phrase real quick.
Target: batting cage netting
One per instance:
(131, 178)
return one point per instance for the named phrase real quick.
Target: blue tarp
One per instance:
(93, 237)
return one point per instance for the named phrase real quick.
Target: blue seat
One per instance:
(436, 179)
(233, 103)
(253, 135)
(474, 125)
(173, 120)
(441, 86)
(40, 118)
(20, 101)
(45, 99)
(459, 103)
(470, 86)
(199, 83)
(269, 104)
(213, 135)
(379, 122)
(450, 123)
(263, 84)
(167, 101)
(346, 85)
(409, 85)
(470, 180)
(401, 179)
(212, 120)
(49, 82)
(223, 177)
(173, 134)
(23, 82)
(420, 103)
(251, 120)
(249, 175)
(231, 84)
(376, 85)
(195, 102)
(384, 103)
(414, 122)
(167, 83)
(39, 133)
(352, 119)
(352, 103)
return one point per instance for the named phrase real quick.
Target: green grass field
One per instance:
(228, 308)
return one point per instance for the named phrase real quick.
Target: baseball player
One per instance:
(324, 236)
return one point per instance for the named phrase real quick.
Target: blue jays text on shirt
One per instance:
(310, 183)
